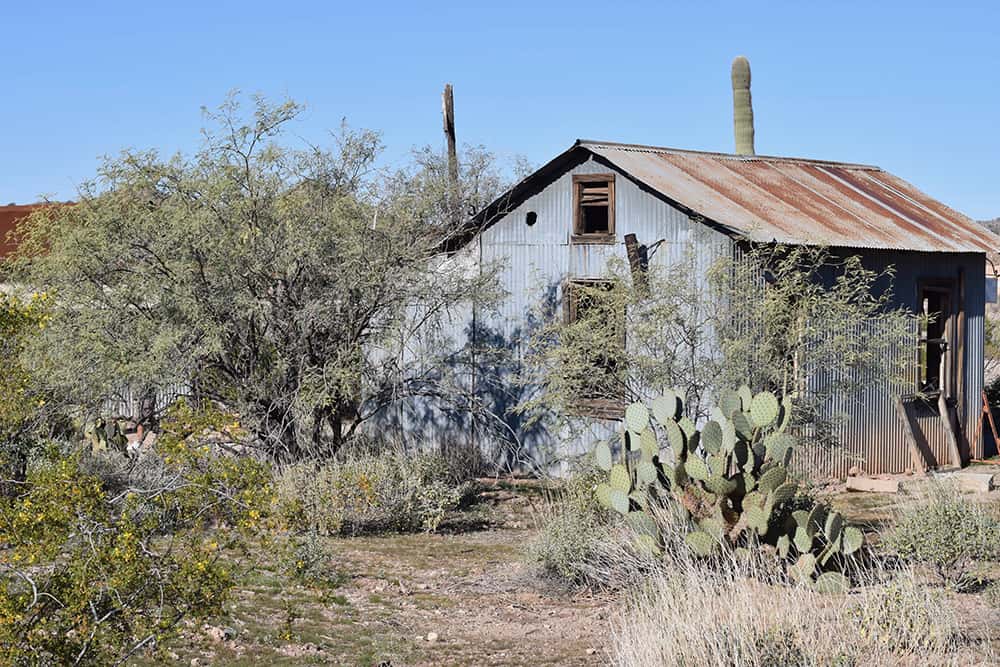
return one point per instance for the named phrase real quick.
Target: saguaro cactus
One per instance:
(742, 106)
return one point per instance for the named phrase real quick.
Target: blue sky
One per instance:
(913, 87)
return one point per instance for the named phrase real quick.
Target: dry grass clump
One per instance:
(581, 543)
(742, 612)
(370, 492)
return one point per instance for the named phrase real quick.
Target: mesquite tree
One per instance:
(800, 321)
(280, 282)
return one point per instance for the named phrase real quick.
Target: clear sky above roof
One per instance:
(910, 86)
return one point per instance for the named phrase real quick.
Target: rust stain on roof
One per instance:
(794, 200)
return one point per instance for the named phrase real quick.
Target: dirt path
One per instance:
(451, 599)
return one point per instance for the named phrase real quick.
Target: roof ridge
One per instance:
(587, 143)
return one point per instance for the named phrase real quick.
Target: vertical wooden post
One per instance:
(949, 421)
(448, 110)
(916, 457)
(961, 409)
(636, 261)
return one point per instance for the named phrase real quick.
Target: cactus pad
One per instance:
(746, 397)
(817, 515)
(603, 492)
(665, 407)
(645, 471)
(832, 582)
(642, 523)
(718, 464)
(764, 409)
(729, 402)
(647, 544)
(636, 417)
(834, 522)
(696, 469)
(784, 493)
(714, 527)
(783, 546)
(675, 437)
(711, 437)
(803, 539)
(687, 426)
(776, 444)
(853, 540)
(786, 413)
(757, 518)
(619, 478)
(803, 569)
(701, 542)
(720, 486)
(772, 479)
(648, 444)
(743, 426)
(618, 500)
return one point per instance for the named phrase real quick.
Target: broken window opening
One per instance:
(600, 392)
(594, 205)
(935, 331)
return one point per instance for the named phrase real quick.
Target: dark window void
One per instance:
(594, 197)
(935, 317)
(598, 387)
(531, 218)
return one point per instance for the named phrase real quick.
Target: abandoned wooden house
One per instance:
(559, 227)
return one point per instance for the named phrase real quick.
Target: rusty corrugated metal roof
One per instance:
(799, 201)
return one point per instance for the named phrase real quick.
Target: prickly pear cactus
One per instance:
(730, 479)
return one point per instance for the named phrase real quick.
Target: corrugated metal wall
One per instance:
(871, 433)
(538, 258)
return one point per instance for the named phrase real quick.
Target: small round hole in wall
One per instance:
(531, 218)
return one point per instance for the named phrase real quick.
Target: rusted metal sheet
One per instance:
(794, 200)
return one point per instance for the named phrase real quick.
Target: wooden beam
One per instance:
(916, 456)
(951, 433)
(636, 261)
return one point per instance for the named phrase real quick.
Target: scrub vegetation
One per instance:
(195, 466)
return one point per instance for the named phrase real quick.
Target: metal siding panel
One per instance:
(539, 258)
(872, 436)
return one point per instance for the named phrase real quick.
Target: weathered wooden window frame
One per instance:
(579, 180)
(947, 379)
(596, 408)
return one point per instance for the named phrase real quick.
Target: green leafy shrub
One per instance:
(21, 401)
(946, 532)
(391, 491)
(92, 575)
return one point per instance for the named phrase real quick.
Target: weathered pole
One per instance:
(454, 209)
(448, 109)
